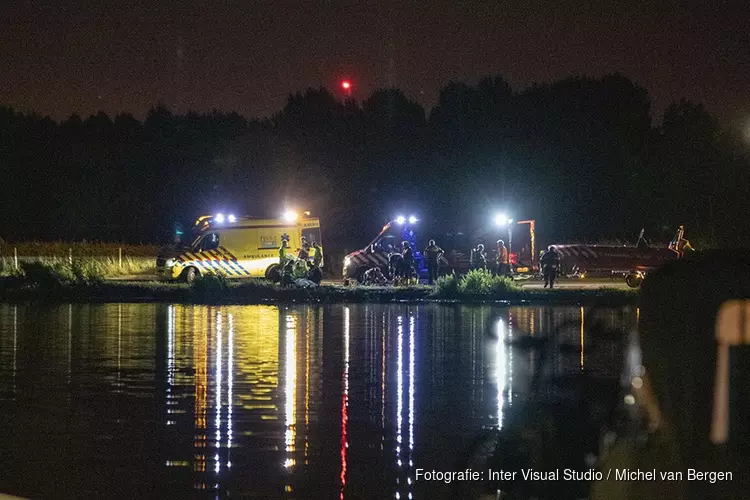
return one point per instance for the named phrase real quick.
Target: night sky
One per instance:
(61, 57)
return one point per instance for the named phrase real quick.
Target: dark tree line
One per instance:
(581, 156)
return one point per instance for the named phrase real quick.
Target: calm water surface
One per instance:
(158, 400)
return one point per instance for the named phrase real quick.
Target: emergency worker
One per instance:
(304, 251)
(433, 254)
(283, 252)
(502, 259)
(317, 260)
(408, 256)
(299, 271)
(550, 263)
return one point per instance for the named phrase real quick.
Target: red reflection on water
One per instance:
(345, 403)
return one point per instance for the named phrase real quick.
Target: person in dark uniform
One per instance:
(478, 258)
(433, 253)
(408, 256)
(550, 263)
(304, 252)
(316, 263)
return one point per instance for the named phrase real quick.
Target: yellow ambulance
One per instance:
(238, 247)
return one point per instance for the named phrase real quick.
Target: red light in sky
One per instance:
(346, 85)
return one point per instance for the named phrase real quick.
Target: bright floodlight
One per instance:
(412, 220)
(290, 216)
(502, 219)
(400, 219)
(232, 218)
(220, 218)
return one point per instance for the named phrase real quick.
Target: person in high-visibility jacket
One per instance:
(299, 270)
(502, 259)
(283, 252)
(317, 255)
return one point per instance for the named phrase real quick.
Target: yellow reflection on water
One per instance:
(290, 388)
(170, 344)
(230, 387)
(217, 390)
(200, 362)
(245, 343)
(308, 334)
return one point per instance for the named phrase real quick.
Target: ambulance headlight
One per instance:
(232, 218)
(171, 262)
(347, 261)
(412, 220)
(400, 219)
(219, 218)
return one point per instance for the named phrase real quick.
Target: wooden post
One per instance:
(70, 256)
(15, 258)
(119, 252)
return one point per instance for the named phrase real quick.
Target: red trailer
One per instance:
(632, 262)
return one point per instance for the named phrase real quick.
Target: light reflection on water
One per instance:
(289, 401)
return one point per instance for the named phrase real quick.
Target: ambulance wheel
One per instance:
(633, 280)
(189, 275)
(273, 274)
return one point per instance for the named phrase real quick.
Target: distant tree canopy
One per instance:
(581, 156)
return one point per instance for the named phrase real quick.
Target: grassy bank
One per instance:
(95, 266)
(74, 285)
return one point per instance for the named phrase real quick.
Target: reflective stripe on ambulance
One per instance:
(215, 260)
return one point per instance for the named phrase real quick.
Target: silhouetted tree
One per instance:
(579, 155)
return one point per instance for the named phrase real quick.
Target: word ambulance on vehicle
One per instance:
(238, 247)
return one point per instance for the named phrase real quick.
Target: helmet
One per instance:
(500, 242)
(405, 244)
(432, 242)
(480, 247)
(550, 248)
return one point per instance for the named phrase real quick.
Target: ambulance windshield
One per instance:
(206, 242)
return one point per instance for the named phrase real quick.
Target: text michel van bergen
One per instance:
(572, 475)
